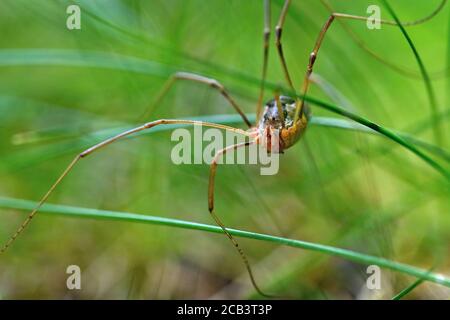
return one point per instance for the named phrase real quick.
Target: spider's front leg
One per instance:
(313, 56)
(212, 176)
(213, 168)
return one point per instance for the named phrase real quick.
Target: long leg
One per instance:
(196, 78)
(375, 55)
(212, 176)
(278, 33)
(391, 22)
(312, 60)
(100, 145)
(313, 55)
(266, 38)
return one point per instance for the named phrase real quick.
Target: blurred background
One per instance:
(60, 89)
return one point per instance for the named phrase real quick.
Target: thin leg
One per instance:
(278, 33)
(376, 56)
(312, 60)
(213, 169)
(212, 176)
(280, 109)
(100, 145)
(196, 78)
(391, 22)
(265, 57)
(313, 55)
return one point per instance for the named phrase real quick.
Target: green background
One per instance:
(337, 187)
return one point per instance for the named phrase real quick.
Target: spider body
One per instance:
(289, 131)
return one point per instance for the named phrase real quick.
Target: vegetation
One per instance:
(367, 184)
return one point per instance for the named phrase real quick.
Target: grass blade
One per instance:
(69, 211)
(10, 57)
(26, 158)
(383, 131)
(408, 289)
(423, 71)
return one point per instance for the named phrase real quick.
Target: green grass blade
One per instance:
(78, 58)
(448, 62)
(423, 71)
(27, 157)
(383, 131)
(408, 289)
(10, 57)
(70, 211)
(347, 125)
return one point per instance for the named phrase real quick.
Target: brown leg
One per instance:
(196, 78)
(213, 168)
(280, 109)
(212, 176)
(312, 60)
(265, 57)
(390, 22)
(278, 33)
(100, 145)
(313, 55)
(376, 56)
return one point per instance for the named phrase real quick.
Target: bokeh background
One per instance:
(337, 187)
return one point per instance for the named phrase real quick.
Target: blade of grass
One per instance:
(69, 211)
(10, 57)
(78, 58)
(144, 38)
(383, 131)
(340, 99)
(410, 288)
(28, 157)
(397, 68)
(355, 229)
(448, 62)
(347, 125)
(423, 71)
(381, 149)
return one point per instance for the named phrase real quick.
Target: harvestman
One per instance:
(286, 115)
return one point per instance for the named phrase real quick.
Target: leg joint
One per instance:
(266, 34)
(155, 123)
(278, 32)
(216, 84)
(312, 58)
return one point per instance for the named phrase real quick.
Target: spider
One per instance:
(284, 114)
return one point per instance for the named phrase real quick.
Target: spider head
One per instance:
(271, 120)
